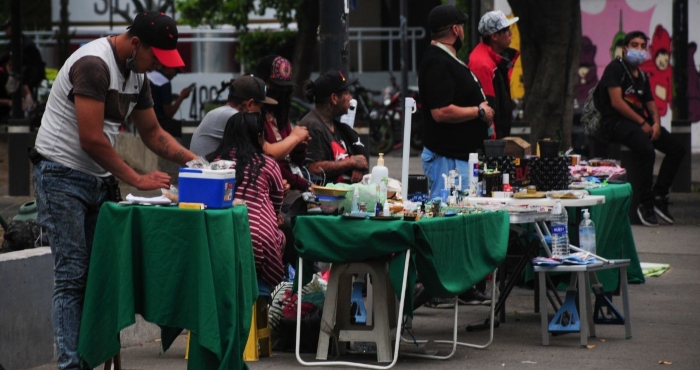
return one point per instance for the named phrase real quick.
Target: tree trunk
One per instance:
(550, 40)
(305, 50)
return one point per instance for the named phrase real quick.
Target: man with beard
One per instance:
(335, 152)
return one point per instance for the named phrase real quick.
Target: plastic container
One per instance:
(586, 233)
(473, 173)
(330, 204)
(380, 176)
(214, 188)
(355, 205)
(506, 182)
(560, 231)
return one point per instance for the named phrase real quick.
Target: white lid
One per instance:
(506, 178)
(473, 157)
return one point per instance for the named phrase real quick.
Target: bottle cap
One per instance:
(380, 161)
(506, 178)
(473, 157)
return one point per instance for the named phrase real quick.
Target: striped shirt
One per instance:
(264, 201)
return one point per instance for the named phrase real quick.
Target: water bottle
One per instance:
(560, 232)
(586, 233)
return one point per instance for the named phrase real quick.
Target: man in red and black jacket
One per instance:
(492, 62)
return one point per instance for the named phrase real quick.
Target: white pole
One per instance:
(408, 110)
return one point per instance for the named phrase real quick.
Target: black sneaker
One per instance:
(646, 215)
(661, 209)
(474, 297)
(441, 303)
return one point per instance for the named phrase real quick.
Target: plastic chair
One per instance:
(354, 335)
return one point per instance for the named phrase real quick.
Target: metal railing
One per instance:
(360, 35)
(391, 34)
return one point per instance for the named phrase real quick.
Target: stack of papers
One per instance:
(578, 258)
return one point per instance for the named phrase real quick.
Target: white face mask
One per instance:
(636, 57)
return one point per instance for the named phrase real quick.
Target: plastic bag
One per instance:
(21, 235)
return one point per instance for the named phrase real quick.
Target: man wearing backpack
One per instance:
(629, 113)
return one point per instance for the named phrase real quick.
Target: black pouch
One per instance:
(35, 157)
(113, 192)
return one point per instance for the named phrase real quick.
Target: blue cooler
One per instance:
(214, 188)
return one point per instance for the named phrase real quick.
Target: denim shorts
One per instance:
(434, 165)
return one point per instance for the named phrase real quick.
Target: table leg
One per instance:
(543, 308)
(589, 305)
(583, 312)
(625, 301)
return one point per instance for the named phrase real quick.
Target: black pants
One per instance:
(630, 134)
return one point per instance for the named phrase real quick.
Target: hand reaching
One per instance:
(152, 181)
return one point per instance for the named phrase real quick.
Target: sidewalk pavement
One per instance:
(663, 314)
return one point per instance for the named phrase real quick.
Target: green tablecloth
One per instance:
(614, 237)
(449, 253)
(178, 269)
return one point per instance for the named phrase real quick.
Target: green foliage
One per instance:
(234, 12)
(257, 44)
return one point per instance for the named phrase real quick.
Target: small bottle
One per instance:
(380, 176)
(354, 207)
(560, 231)
(378, 209)
(387, 211)
(586, 233)
(506, 182)
(473, 175)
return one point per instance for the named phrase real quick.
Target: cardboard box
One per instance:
(517, 147)
(214, 188)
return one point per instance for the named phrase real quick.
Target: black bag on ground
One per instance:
(20, 235)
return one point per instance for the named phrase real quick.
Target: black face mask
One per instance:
(457, 44)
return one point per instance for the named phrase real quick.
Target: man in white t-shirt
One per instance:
(75, 164)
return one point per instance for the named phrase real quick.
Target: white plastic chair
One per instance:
(350, 363)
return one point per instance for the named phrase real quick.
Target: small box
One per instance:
(517, 147)
(417, 188)
(214, 188)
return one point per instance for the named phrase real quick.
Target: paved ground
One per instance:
(665, 323)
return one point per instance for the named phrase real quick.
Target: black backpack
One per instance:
(590, 114)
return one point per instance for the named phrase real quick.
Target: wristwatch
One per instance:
(482, 112)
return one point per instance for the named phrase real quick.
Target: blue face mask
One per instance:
(636, 57)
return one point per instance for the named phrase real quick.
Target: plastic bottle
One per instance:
(387, 210)
(473, 173)
(354, 207)
(506, 182)
(586, 233)
(380, 176)
(560, 231)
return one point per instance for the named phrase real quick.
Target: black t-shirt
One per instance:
(636, 91)
(442, 80)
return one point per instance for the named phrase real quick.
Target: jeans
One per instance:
(434, 165)
(68, 202)
(631, 135)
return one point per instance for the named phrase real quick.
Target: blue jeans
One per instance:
(434, 165)
(68, 202)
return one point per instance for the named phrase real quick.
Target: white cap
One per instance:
(506, 178)
(473, 157)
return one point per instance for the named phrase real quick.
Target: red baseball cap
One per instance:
(158, 31)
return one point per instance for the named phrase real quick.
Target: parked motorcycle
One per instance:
(385, 126)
